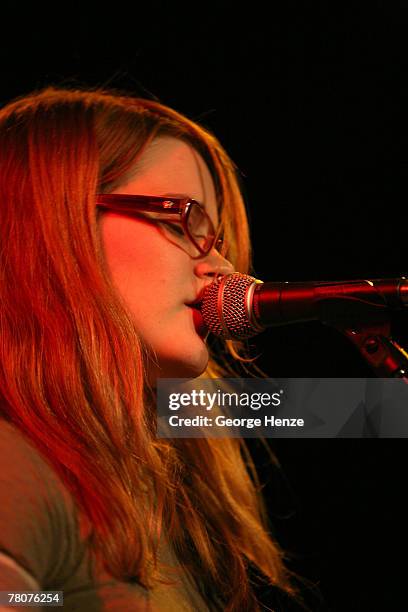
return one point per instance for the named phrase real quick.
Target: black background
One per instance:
(310, 100)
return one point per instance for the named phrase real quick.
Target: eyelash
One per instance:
(176, 228)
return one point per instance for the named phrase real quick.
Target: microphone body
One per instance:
(239, 306)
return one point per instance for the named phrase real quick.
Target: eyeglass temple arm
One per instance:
(131, 205)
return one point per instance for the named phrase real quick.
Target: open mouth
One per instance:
(196, 304)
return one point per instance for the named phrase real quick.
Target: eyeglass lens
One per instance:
(200, 227)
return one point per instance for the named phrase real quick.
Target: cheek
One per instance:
(145, 267)
(132, 248)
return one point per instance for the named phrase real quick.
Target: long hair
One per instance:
(72, 365)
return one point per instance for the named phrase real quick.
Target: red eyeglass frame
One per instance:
(179, 207)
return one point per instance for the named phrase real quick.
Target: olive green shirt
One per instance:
(43, 543)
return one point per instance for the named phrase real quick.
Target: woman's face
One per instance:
(155, 274)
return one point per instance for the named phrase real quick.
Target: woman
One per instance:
(96, 297)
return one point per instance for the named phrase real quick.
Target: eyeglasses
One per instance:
(172, 213)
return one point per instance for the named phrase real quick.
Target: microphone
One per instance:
(238, 306)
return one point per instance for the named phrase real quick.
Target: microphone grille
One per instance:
(224, 307)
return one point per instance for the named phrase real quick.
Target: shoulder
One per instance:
(24, 470)
(38, 520)
(15, 446)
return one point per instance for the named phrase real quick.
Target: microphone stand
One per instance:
(368, 327)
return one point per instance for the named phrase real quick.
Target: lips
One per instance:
(200, 326)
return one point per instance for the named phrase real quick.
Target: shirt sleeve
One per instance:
(38, 518)
(14, 577)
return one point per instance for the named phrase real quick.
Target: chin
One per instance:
(183, 365)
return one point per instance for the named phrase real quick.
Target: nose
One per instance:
(212, 265)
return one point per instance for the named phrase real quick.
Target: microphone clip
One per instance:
(373, 340)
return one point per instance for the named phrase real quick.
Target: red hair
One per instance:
(72, 366)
